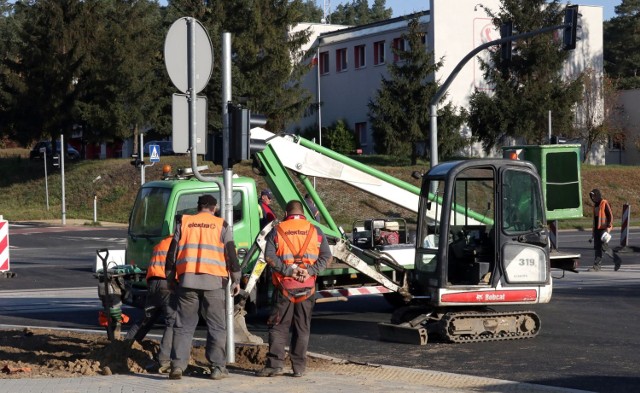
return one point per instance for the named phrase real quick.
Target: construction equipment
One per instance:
(481, 241)
(285, 162)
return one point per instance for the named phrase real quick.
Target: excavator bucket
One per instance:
(403, 333)
(241, 333)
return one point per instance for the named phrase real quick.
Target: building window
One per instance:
(378, 52)
(617, 141)
(398, 44)
(341, 59)
(324, 63)
(361, 133)
(359, 56)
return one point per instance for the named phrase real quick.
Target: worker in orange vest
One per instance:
(602, 226)
(205, 262)
(160, 300)
(296, 251)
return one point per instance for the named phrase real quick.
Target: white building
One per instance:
(353, 60)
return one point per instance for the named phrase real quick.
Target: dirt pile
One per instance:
(40, 353)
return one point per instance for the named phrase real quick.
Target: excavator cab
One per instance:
(481, 243)
(483, 230)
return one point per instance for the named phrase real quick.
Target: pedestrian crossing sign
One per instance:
(154, 153)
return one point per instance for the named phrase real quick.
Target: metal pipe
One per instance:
(228, 179)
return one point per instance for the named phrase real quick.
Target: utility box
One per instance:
(559, 169)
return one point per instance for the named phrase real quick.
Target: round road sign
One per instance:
(176, 55)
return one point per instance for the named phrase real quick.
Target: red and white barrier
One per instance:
(4, 245)
(553, 234)
(624, 228)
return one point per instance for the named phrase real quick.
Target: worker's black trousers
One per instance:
(286, 316)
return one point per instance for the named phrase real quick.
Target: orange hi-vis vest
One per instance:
(601, 211)
(201, 249)
(297, 243)
(158, 258)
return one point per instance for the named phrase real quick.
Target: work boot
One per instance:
(175, 373)
(218, 372)
(270, 372)
(165, 368)
(617, 261)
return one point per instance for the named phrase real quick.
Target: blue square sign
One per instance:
(154, 153)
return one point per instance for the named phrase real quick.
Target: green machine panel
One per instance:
(559, 169)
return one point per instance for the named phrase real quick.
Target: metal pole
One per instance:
(62, 154)
(228, 179)
(141, 148)
(454, 73)
(46, 178)
(319, 106)
(95, 208)
(550, 132)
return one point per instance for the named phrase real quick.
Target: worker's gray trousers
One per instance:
(211, 304)
(286, 316)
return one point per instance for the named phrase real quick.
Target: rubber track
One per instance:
(451, 317)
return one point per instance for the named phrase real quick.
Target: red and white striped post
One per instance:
(553, 234)
(624, 228)
(4, 245)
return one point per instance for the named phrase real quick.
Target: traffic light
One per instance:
(136, 161)
(55, 160)
(241, 121)
(569, 36)
(506, 30)
(239, 133)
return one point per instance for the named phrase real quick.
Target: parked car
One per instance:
(36, 154)
(166, 148)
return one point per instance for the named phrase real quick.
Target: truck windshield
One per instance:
(521, 205)
(147, 217)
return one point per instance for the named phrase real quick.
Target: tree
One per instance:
(311, 12)
(599, 117)
(530, 85)
(340, 138)
(122, 76)
(50, 56)
(399, 112)
(622, 49)
(358, 13)
(264, 76)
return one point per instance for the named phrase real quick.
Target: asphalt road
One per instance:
(588, 338)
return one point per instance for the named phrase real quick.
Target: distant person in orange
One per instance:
(600, 233)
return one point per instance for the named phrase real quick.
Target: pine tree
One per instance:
(124, 72)
(532, 84)
(622, 45)
(399, 112)
(358, 13)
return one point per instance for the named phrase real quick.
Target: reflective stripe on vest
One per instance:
(296, 231)
(158, 258)
(601, 210)
(201, 249)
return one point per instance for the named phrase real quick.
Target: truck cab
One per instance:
(157, 204)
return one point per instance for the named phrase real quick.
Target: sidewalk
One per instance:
(345, 378)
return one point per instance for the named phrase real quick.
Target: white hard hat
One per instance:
(605, 237)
